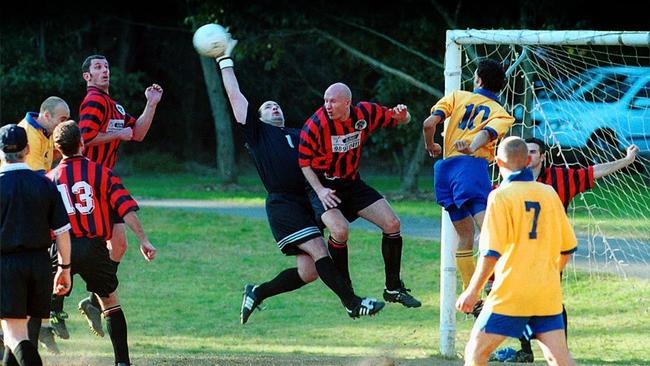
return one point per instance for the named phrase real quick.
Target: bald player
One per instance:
(329, 155)
(526, 241)
(461, 179)
(39, 127)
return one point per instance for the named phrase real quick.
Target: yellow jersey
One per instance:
(470, 113)
(41, 144)
(527, 229)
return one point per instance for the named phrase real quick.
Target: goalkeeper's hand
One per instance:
(230, 45)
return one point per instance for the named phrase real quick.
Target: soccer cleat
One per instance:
(57, 322)
(249, 303)
(521, 357)
(93, 316)
(401, 295)
(46, 338)
(368, 306)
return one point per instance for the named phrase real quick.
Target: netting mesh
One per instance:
(588, 104)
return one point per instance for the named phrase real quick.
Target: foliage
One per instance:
(283, 55)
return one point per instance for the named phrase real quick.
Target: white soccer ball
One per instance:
(210, 40)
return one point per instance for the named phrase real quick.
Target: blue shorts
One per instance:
(516, 326)
(462, 185)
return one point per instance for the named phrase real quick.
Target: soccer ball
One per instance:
(210, 40)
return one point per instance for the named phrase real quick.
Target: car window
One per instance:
(643, 92)
(610, 88)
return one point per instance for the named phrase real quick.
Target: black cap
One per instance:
(13, 138)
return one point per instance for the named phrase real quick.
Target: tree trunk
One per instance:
(222, 121)
(410, 178)
(126, 35)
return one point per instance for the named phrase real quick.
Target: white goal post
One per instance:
(456, 40)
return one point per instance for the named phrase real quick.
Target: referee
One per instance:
(30, 206)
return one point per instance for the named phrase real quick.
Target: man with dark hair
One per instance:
(567, 182)
(89, 192)
(329, 155)
(104, 125)
(288, 207)
(30, 208)
(461, 179)
(526, 241)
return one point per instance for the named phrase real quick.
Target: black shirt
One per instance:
(275, 152)
(30, 206)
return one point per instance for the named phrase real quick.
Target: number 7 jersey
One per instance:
(470, 113)
(90, 192)
(526, 228)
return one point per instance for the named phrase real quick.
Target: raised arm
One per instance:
(601, 170)
(238, 101)
(143, 123)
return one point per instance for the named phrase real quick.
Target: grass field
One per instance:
(183, 308)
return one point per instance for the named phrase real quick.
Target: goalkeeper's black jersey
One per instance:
(275, 152)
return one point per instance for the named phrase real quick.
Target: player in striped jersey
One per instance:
(329, 155)
(104, 124)
(90, 192)
(567, 182)
(526, 240)
(291, 217)
(461, 179)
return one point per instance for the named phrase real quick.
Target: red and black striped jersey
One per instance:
(334, 148)
(90, 193)
(567, 182)
(99, 113)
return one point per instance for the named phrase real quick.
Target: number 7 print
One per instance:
(535, 206)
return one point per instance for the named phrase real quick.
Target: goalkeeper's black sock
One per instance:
(285, 281)
(333, 279)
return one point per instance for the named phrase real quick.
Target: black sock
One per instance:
(94, 299)
(57, 303)
(26, 354)
(9, 359)
(525, 345)
(391, 250)
(339, 253)
(285, 281)
(33, 329)
(329, 275)
(116, 326)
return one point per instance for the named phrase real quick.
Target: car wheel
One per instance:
(603, 147)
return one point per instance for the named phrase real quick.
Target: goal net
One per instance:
(585, 94)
